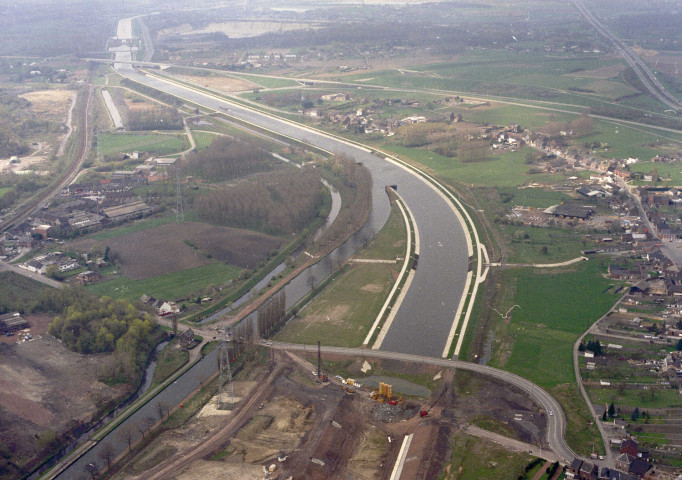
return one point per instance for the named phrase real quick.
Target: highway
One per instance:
(645, 75)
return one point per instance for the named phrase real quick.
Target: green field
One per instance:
(4, 190)
(652, 398)
(503, 170)
(561, 245)
(175, 285)
(108, 143)
(344, 312)
(18, 292)
(169, 360)
(555, 307)
(203, 139)
(267, 82)
(132, 227)
(335, 320)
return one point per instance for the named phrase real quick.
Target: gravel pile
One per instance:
(385, 412)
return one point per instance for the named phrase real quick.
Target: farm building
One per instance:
(88, 277)
(127, 211)
(570, 211)
(11, 322)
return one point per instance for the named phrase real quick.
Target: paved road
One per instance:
(429, 308)
(4, 266)
(556, 421)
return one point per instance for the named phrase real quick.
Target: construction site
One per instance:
(295, 417)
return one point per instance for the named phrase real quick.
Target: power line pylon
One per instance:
(179, 212)
(225, 392)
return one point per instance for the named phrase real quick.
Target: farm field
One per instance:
(171, 286)
(108, 143)
(194, 256)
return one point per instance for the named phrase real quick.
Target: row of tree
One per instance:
(355, 184)
(277, 202)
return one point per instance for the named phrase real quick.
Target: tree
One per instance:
(174, 322)
(92, 469)
(52, 271)
(603, 417)
(635, 414)
(612, 410)
(107, 453)
(125, 432)
(679, 345)
(544, 250)
(162, 408)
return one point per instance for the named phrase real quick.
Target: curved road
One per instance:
(556, 421)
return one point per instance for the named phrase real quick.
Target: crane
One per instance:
(425, 412)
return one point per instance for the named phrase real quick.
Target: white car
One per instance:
(551, 413)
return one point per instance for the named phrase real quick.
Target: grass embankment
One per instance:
(344, 312)
(170, 359)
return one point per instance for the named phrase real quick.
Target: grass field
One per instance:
(502, 170)
(652, 398)
(335, 320)
(170, 359)
(561, 245)
(17, 291)
(555, 307)
(475, 458)
(132, 227)
(108, 143)
(4, 190)
(181, 284)
(344, 312)
(203, 139)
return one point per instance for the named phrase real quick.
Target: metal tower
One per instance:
(225, 393)
(179, 212)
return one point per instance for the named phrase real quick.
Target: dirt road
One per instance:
(240, 416)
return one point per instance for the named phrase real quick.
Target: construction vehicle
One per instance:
(425, 411)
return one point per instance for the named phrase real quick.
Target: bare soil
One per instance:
(50, 104)
(326, 432)
(44, 386)
(143, 256)
(225, 84)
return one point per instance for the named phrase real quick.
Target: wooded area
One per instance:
(227, 159)
(155, 119)
(89, 324)
(276, 203)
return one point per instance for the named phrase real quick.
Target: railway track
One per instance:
(84, 135)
